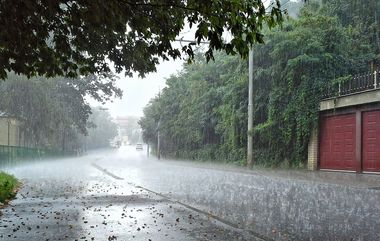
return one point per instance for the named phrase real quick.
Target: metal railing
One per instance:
(10, 154)
(357, 83)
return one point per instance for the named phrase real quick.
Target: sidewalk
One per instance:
(357, 180)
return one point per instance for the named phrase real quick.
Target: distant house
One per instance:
(129, 129)
(348, 137)
(10, 130)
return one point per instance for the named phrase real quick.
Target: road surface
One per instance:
(123, 195)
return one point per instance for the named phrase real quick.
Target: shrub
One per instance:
(8, 185)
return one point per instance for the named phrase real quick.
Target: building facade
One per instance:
(10, 131)
(348, 136)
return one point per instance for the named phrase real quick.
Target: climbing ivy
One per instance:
(203, 109)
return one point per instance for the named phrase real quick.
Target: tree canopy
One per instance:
(71, 38)
(54, 113)
(203, 110)
(101, 130)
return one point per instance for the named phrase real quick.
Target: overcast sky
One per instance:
(137, 91)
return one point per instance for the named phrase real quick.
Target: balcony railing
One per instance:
(357, 83)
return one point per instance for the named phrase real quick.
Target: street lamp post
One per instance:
(250, 111)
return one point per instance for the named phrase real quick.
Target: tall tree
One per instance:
(54, 110)
(202, 111)
(71, 38)
(101, 130)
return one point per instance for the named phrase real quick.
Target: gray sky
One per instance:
(137, 91)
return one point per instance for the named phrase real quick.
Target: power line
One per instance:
(190, 41)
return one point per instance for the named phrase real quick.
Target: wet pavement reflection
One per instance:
(71, 200)
(282, 205)
(123, 195)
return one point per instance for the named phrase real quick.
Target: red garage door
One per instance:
(337, 142)
(371, 141)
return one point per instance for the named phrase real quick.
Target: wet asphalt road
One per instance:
(123, 195)
(73, 200)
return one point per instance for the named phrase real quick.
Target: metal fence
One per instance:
(11, 154)
(357, 83)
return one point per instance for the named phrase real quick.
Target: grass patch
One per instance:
(8, 184)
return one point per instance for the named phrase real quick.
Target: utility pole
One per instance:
(158, 130)
(158, 144)
(9, 123)
(158, 139)
(250, 111)
(250, 106)
(9, 148)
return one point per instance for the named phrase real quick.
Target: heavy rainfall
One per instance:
(190, 120)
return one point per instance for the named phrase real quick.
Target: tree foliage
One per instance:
(71, 38)
(101, 130)
(200, 114)
(202, 111)
(53, 112)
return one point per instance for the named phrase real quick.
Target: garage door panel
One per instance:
(337, 149)
(371, 141)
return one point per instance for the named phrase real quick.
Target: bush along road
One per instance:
(8, 187)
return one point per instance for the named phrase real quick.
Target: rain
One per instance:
(186, 120)
(123, 194)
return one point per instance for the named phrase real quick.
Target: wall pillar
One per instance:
(312, 151)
